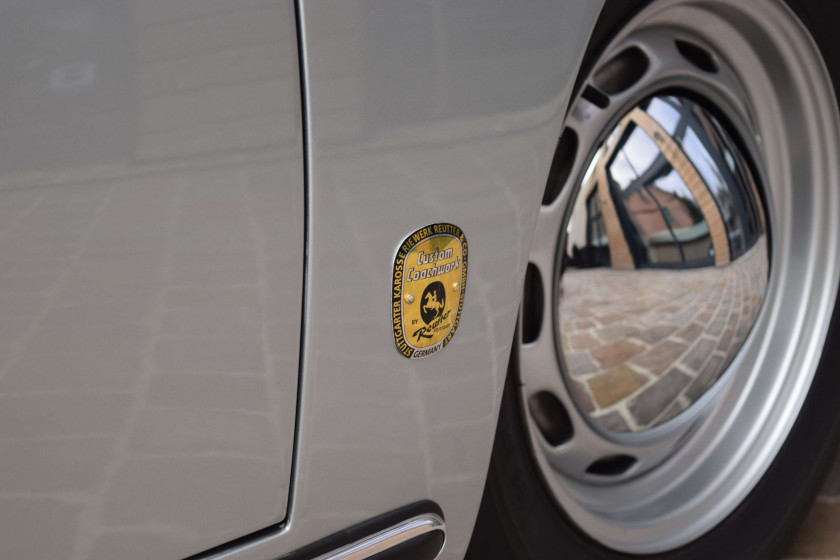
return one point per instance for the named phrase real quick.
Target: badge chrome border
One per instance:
(403, 346)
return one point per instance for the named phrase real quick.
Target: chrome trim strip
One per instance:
(388, 538)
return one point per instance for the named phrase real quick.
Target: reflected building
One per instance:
(667, 189)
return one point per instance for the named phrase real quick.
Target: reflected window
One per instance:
(665, 112)
(662, 221)
(673, 189)
(596, 232)
(711, 152)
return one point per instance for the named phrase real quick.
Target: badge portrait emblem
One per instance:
(430, 276)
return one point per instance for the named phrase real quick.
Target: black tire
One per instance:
(519, 518)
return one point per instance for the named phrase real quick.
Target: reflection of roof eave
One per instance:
(683, 235)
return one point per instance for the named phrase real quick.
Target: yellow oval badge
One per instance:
(430, 275)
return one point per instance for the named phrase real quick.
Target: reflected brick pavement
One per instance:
(641, 346)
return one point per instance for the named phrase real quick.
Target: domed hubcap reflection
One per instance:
(664, 265)
(680, 172)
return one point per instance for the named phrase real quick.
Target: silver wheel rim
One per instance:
(693, 471)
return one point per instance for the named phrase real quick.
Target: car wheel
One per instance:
(672, 388)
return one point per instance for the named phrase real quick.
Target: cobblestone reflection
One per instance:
(664, 265)
(641, 346)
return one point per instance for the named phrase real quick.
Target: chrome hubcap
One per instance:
(651, 442)
(664, 265)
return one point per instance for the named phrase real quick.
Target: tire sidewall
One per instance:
(518, 518)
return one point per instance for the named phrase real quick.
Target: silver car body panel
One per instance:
(151, 270)
(152, 317)
(418, 112)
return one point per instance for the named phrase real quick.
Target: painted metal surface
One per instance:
(419, 112)
(423, 112)
(151, 254)
(152, 242)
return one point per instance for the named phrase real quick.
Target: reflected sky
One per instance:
(674, 184)
(665, 113)
(636, 155)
